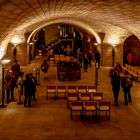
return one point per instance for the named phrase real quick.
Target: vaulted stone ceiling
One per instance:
(115, 18)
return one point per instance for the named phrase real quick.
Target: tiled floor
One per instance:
(50, 119)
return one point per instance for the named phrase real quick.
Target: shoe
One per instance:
(116, 104)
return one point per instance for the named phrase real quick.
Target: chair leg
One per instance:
(68, 104)
(109, 114)
(81, 114)
(47, 96)
(95, 114)
(71, 115)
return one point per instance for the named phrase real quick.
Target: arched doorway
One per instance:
(131, 45)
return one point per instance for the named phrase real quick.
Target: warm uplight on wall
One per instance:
(1, 52)
(113, 40)
(5, 61)
(15, 40)
(31, 43)
(96, 44)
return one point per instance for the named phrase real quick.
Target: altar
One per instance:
(68, 71)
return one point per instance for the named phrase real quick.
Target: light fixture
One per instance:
(5, 61)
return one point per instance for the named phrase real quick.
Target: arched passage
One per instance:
(132, 45)
(81, 25)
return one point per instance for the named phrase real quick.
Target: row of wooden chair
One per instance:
(85, 96)
(83, 107)
(56, 90)
(135, 72)
(61, 58)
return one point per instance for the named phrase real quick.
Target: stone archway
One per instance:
(132, 44)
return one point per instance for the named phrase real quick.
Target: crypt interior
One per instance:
(32, 29)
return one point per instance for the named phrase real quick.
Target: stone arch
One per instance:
(78, 24)
(132, 44)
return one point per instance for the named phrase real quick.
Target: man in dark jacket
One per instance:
(115, 81)
(28, 85)
(34, 85)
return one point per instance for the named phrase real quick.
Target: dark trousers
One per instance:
(80, 63)
(127, 95)
(34, 98)
(12, 94)
(27, 100)
(98, 62)
(85, 67)
(116, 95)
(7, 95)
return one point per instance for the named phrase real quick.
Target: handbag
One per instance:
(129, 83)
(44, 69)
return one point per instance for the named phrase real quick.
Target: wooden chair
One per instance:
(67, 58)
(104, 106)
(71, 97)
(92, 88)
(61, 89)
(85, 96)
(71, 89)
(51, 89)
(81, 89)
(97, 96)
(76, 106)
(90, 106)
(56, 58)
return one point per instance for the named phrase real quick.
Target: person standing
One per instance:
(28, 86)
(7, 88)
(80, 59)
(126, 83)
(115, 81)
(16, 69)
(13, 84)
(129, 57)
(97, 58)
(89, 55)
(44, 68)
(19, 85)
(86, 62)
(34, 85)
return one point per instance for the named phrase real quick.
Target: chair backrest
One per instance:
(104, 103)
(77, 103)
(71, 88)
(82, 88)
(51, 87)
(70, 94)
(97, 96)
(85, 96)
(90, 103)
(61, 87)
(92, 88)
